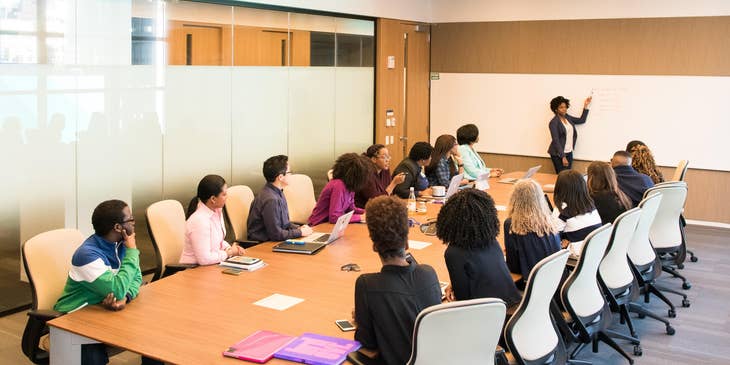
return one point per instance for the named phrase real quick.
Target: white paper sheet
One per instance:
(418, 245)
(501, 208)
(279, 302)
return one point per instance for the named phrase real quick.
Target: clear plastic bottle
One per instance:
(412, 202)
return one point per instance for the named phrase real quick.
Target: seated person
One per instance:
(205, 231)
(630, 181)
(642, 160)
(610, 201)
(268, 218)
(104, 270)
(529, 234)
(467, 136)
(468, 223)
(574, 208)
(412, 167)
(445, 161)
(380, 182)
(387, 303)
(349, 174)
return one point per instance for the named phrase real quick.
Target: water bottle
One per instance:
(412, 202)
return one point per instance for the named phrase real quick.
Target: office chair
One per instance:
(679, 174)
(643, 259)
(166, 226)
(617, 277)
(666, 233)
(583, 299)
(47, 261)
(237, 208)
(531, 334)
(300, 198)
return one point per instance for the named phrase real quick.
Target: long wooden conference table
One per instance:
(193, 316)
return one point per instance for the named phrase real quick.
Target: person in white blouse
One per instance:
(205, 230)
(562, 132)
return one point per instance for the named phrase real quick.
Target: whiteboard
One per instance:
(678, 117)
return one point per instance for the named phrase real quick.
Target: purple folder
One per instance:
(310, 348)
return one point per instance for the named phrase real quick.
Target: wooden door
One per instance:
(417, 65)
(195, 44)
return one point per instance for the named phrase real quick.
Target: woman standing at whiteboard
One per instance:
(563, 133)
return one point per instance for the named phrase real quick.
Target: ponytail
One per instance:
(209, 186)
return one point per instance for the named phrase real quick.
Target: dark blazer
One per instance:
(559, 134)
(632, 183)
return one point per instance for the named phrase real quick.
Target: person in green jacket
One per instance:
(104, 270)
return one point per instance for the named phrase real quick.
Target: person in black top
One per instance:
(268, 218)
(631, 182)
(387, 303)
(412, 167)
(529, 233)
(610, 201)
(468, 223)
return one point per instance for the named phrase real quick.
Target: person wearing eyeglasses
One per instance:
(268, 218)
(104, 270)
(388, 302)
(380, 182)
(205, 231)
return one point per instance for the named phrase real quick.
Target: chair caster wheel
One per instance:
(641, 316)
(693, 259)
(686, 285)
(637, 350)
(685, 303)
(672, 314)
(670, 330)
(680, 266)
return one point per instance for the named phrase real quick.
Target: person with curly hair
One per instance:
(562, 132)
(469, 224)
(642, 160)
(603, 187)
(387, 303)
(529, 233)
(349, 174)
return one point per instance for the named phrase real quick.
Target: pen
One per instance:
(296, 242)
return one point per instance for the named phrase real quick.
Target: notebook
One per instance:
(306, 248)
(310, 348)
(511, 180)
(337, 231)
(259, 347)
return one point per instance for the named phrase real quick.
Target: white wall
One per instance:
(418, 10)
(449, 11)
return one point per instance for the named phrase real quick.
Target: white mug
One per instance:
(438, 190)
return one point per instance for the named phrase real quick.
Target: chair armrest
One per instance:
(298, 223)
(500, 357)
(173, 268)
(35, 328)
(247, 243)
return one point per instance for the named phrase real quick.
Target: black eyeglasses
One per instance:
(350, 267)
(127, 220)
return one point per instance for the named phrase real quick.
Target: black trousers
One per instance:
(95, 354)
(558, 162)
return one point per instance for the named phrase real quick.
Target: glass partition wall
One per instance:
(139, 99)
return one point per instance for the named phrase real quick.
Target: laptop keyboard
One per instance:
(322, 239)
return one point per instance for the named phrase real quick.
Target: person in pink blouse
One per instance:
(205, 230)
(349, 174)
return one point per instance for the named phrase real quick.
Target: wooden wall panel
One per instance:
(654, 46)
(417, 90)
(708, 190)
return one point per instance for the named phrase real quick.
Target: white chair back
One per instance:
(640, 250)
(299, 197)
(530, 332)
(47, 260)
(238, 205)
(583, 293)
(166, 222)
(680, 171)
(462, 332)
(665, 231)
(614, 268)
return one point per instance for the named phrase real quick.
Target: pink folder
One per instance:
(259, 347)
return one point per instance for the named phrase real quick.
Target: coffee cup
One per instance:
(438, 191)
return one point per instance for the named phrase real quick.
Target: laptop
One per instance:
(511, 180)
(316, 241)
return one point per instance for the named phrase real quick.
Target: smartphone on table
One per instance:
(345, 325)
